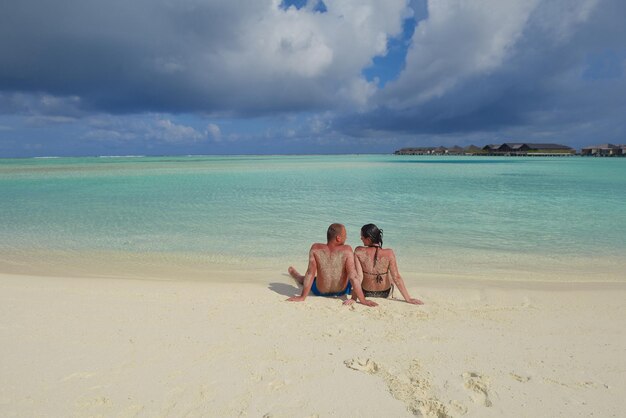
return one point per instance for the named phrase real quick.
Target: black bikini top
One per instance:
(379, 278)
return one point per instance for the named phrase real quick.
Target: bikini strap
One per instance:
(375, 274)
(379, 279)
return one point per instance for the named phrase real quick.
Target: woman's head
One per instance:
(371, 232)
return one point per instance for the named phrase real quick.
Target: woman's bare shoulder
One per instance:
(387, 252)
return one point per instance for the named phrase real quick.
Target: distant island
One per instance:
(518, 149)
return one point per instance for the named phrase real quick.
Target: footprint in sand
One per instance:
(277, 384)
(586, 384)
(363, 365)
(479, 385)
(93, 402)
(413, 388)
(77, 375)
(519, 378)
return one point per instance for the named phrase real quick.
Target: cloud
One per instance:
(458, 40)
(167, 131)
(157, 128)
(110, 135)
(40, 104)
(44, 120)
(213, 131)
(205, 76)
(510, 68)
(221, 57)
(462, 40)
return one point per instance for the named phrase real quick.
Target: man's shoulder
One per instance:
(319, 246)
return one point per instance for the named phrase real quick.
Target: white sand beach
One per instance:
(82, 347)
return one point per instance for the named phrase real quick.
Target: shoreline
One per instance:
(136, 347)
(220, 268)
(250, 277)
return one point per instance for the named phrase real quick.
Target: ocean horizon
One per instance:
(501, 218)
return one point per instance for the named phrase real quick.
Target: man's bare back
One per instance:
(331, 269)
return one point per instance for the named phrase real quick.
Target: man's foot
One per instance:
(296, 276)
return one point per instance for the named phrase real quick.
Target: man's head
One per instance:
(336, 234)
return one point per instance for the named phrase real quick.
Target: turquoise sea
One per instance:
(473, 217)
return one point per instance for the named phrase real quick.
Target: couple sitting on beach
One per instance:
(335, 271)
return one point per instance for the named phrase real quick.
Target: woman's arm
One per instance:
(357, 290)
(359, 274)
(399, 282)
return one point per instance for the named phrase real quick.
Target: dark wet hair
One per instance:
(375, 235)
(333, 231)
(372, 232)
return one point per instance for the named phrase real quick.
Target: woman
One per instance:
(377, 267)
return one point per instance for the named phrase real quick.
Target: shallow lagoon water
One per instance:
(495, 217)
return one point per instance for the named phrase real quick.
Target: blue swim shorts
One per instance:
(316, 291)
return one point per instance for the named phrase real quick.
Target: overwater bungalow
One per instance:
(473, 150)
(604, 150)
(440, 151)
(509, 148)
(456, 150)
(527, 148)
(415, 151)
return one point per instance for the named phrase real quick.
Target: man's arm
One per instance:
(308, 278)
(359, 275)
(353, 266)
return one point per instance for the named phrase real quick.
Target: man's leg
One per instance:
(296, 276)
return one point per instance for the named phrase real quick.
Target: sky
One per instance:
(178, 77)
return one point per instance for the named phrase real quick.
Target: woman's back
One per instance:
(375, 263)
(377, 266)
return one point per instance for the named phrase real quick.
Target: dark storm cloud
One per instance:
(120, 56)
(214, 56)
(548, 80)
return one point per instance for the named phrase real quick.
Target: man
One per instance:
(331, 270)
